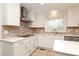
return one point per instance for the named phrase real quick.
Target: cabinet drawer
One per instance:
(31, 41)
(19, 43)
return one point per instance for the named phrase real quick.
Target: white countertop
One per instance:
(58, 35)
(15, 39)
(12, 39)
(72, 35)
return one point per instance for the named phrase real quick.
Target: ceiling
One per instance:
(37, 7)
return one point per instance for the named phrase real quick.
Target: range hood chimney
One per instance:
(24, 15)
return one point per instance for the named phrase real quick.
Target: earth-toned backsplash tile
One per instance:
(23, 29)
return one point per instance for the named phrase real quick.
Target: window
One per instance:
(56, 24)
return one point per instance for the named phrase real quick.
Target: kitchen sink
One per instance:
(26, 35)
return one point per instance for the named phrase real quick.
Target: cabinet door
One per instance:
(31, 43)
(59, 45)
(50, 42)
(42, 41)
(11, 14)
(46, 42)
(20, 51)
(71, 47)
(38, 19)
(20, 48)
(73, 17)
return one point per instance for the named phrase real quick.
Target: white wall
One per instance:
(0, 26)
(0, 20)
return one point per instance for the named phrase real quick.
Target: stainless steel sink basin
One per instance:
(26, 35)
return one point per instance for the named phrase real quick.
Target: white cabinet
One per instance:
(73, 17)
(24, 47)
(46, 42)
(38, 19)
(13, 49)
(58, 45)
(42, 41)
(50, 42)
(11, 14)
(71, 47)
(20, 49)
(31, 43)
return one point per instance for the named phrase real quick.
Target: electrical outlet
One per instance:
(5, 32)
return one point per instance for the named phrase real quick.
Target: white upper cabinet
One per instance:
(38, 19)
(73, 17)
(11, 14)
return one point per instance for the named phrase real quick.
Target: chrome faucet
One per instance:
(55, 31)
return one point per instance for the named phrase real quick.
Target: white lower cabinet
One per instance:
(20, 50)
(13, 48)
(58, 45)
(71, 47)
(46, 42)
(67, 47)
(42, 41)
(24, 47)
(27, 45)
(50, 42)
(32, 44)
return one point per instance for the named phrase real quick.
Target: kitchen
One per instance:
(35, 29)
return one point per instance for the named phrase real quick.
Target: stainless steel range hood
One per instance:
(24, 15)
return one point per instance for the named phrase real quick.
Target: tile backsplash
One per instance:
(73, 30)
(69, 30)
(15, 31)
(24, 29)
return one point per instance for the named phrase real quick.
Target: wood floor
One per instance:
(43, 52)
(46, 52)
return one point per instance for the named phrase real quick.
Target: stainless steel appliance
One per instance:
(71, 38)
